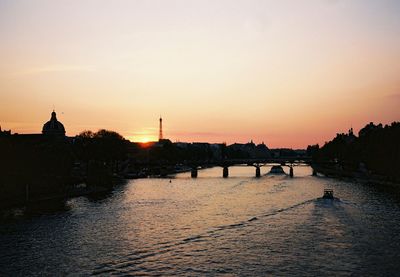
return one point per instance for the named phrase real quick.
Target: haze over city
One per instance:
(289, 73)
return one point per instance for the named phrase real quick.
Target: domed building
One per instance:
(53, 127)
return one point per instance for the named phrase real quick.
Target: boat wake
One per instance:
(136, 258)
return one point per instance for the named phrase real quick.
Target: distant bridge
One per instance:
(195, 165)
(257, 163)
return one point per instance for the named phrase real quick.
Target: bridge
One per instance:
(257, 163)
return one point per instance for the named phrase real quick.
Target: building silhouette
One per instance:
(5, 132)
(53, 127)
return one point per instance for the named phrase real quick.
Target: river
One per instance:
(244, 226)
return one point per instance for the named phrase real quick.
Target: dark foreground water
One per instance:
(212, 226)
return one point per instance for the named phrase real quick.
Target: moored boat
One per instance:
(276, 169)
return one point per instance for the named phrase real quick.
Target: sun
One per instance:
(144, 139)
(142, 136)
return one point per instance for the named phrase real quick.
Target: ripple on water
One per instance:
(211, 226)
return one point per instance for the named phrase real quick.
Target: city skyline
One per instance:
(288, 74)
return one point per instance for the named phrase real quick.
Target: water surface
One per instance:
(211, 226)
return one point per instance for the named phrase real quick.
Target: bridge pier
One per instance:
(314, 172)
(258, 171)
(225, 172)
(193, 172)
(291, 172)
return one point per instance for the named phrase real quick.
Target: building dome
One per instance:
(53, 126)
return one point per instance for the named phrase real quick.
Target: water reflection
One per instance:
(34, 210)
(210, 225)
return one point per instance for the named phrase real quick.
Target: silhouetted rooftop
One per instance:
(53, 126)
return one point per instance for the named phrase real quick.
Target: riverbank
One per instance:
(361, 177)
(29, 195)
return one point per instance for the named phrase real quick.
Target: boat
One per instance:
(277, 169)
(328, 194)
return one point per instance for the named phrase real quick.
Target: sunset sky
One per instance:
(289, 73)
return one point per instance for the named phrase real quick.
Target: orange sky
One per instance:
(289, 73)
